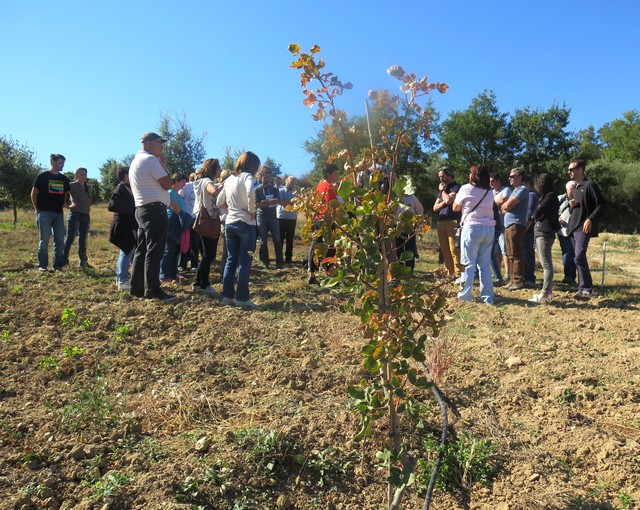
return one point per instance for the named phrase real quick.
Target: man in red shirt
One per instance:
(327, 189)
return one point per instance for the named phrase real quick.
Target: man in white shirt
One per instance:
(149, 184)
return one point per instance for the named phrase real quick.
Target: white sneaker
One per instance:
(540, 298)
(124, 286)
(226, 301)
(247, 305)
(208, 290)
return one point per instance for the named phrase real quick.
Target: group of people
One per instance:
(483, 225)
(52, 191)
(155, 219)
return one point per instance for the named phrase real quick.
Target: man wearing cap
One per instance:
(149, 184)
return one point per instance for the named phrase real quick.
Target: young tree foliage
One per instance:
(398, 313)
(18, 171)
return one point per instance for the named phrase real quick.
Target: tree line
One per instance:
(537, 139)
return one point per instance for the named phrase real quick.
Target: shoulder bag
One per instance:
(206, 224)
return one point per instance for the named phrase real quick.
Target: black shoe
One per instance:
(529, 284)
(313, 280)
(279, 265)
(136, 293)
(159, 294)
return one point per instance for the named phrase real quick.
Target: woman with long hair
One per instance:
(546, 226)
(475, 200)
(238, 196)
(206, 193)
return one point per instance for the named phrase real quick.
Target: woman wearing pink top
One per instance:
(475, 200)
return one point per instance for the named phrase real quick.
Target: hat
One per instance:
(150, 137)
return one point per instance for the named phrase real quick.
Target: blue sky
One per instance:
(86, 79)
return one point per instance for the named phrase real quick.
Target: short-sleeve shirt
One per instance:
(189, 196)
(51, 191)
(471, 196)
(175, 197)
(447, 213)
(505, 192)
(518, 215)
(286, 195)
(268, 192)
(144, 173)
(80, 197)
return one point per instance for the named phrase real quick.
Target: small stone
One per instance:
(534, 477)
(203, 444)
(77, 453)
(513, 361)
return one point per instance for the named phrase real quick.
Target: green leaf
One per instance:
(356, 392)
(345, 189)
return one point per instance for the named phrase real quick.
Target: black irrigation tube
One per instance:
(443, 437)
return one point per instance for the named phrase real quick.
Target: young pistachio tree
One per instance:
(398, 312)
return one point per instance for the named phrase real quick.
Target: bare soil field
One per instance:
(112, 402)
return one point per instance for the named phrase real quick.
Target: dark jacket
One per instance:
(590, 204)
(124, 224)
(546, 215)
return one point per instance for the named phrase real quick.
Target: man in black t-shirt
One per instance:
(49, 194)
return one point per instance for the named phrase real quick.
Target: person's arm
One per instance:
(261, 204)
(165, 182)
(501, 197)
(221, 201)
(598, 200)
(212, 190)
(510, 204)
(34, 197)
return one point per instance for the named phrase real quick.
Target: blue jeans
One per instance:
(266, 225)
(566, 245)
(477, 249)
(77, 224)
(122, 266)
(123, 263)
(169, 267)
(241, 243)
(49, 222)
(580, 246)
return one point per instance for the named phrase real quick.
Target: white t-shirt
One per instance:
(189, 198)
(239, 196)
(470, 195)
(144, 173)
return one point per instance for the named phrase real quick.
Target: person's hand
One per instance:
(586, 227)
(441, 186)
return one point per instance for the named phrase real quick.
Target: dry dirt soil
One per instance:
(113, 402)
